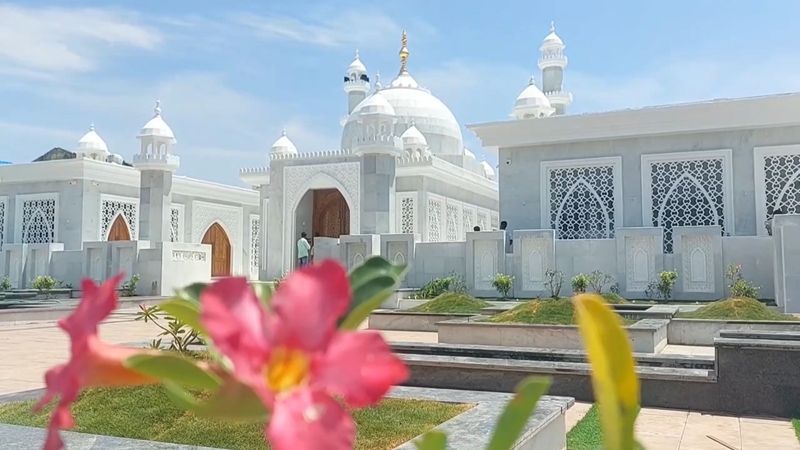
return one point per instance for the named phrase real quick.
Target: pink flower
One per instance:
(92, 362)
(296, 359)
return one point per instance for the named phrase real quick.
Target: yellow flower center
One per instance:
(286, 369)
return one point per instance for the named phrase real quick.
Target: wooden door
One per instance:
(119, 230)
(331, 214)
(220, 250)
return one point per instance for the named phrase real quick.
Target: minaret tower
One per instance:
(552, 62)
(156, 164)
(356, 83)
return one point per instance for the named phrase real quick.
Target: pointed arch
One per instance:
(119, 229)
(217, 237)
(589, 226)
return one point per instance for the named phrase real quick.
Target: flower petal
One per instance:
(309, 419)
(96, 304)
(236, 322)
(308, 304)
(359, 366)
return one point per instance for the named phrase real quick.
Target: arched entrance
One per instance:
(119, 230)
(331, 214)
(217, 238)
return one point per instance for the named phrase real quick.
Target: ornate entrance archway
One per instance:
(119, 230)
(331, 216)
(220, 250)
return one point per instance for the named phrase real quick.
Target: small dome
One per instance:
(156, 126)
(412, 137)
(375, 104)
(532, 102)
(92, 143)
(356, 66)
(469, 154)
(552, 38)
(488, 170)
(405, 80)
(116, 159)
(283, 146)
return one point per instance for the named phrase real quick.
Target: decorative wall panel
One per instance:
(485, 264)
(255, 243)
(535, 260)
(777, 175)
(36, 220)
(3, 219)
(435, 209)
(112, 206)
(697, 258)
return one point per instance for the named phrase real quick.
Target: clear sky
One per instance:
(230, 75)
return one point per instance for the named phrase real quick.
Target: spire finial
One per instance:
(404, 53)
(91, 126)
(357, 57)
(378, 85)
(157, 109)
(532, 80)
(552, 27)
(283, 132)
(413, 123)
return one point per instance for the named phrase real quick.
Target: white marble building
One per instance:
(402, 169)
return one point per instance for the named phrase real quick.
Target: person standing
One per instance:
(303, 248)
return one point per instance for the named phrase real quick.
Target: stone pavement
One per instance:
(31, 347)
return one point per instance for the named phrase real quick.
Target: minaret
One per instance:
(156, 164)
(552, 62)
(356, 83)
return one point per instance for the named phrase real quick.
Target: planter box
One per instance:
(410, 321)
(703, 331)
(647, 336)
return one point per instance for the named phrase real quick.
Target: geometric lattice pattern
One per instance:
(468, 220)
(687, 193)
(39, 221)
(483, 221)
(174, 224)
(109, 211)
(452, 222)
(434, 220)
(582, 202)
(255, 241)
(782, 183)
(407, 215)
(3, 208)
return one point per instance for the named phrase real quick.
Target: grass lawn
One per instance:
(147, 413)
(452, 302)
(736, 309)
(796, 424)
(548, 312)
(587, 433)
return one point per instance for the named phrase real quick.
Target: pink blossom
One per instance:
(296, 360)
(93, 363)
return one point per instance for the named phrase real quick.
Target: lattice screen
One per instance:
(174, 224)
(407, 212)
(452, 222)
(782, 182)
(110, 209)
(39, 221)
(434, 220)
(3, 209)
(582, 202)
(687, 193)
(255, 241)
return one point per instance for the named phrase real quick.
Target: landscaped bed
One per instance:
(452, 302)
(736, 309)
(147, 413)
(548, 311)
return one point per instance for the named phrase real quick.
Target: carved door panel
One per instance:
(119, 230)
(220, 250)
(331, 214)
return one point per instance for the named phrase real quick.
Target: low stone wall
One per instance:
(647, 336)
(410, 321)
(703, 331)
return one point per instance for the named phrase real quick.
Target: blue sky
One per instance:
(230, 75)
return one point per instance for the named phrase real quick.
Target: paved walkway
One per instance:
(669, 429)
(31, 347)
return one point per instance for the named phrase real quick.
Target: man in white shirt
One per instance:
(303, 248)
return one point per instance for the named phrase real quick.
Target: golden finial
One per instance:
(404, 53)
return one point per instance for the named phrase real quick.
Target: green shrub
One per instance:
(44, 283)
(739, 287)
(128, 288)
(5, 284)
(503, 283)
(663, 286)
(579, 283)
(599, 280)
(736, 309)
(554, 279)
(438, 286)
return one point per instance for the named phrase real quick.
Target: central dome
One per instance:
(412, 104)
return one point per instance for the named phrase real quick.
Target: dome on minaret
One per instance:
(283, 146)
(532, 102)
(356, 66)
(552, 38)
(157, 126)
(413, 138)
(92, 145)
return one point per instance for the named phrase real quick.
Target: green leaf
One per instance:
(372, 283)
(233, 401)
(174, 368)
(184, 310)
(180, 396)
(432, 440)
(191, 292)
(514, 417)
(264, 292)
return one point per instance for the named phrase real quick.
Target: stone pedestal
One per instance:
(534, 255)
(786, 236)
(697, 255)
(640, 259)
(354, 249)
(485, 258)
(399, 249)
